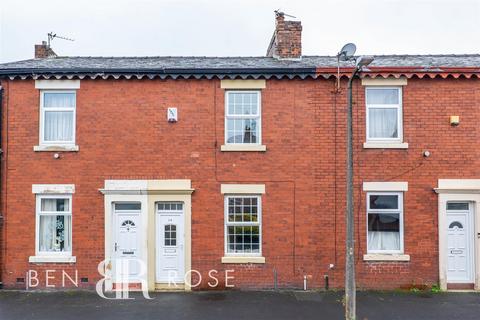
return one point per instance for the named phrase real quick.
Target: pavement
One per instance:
(234, 305)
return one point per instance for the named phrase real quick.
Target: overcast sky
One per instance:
(236, 28)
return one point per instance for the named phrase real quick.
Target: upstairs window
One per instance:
(242, 117)
(57, 117)
(384, 114)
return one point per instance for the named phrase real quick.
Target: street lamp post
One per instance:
(350, 288)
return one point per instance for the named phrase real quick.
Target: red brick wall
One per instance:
(122, 133)
(427, 106)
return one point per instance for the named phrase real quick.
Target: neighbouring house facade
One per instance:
(237, 165)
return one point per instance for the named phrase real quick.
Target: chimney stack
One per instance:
(44, 51)
(286, 41)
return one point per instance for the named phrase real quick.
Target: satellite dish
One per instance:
(347, 51)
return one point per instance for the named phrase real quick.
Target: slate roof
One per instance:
(221, 66)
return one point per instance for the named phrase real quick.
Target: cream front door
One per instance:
(170, 236)
(460, 258)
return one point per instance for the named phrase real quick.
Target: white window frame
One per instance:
(233, 224)
(39, 213)
(42, 119)
(399, 108)
(399, 210)
(257, 117)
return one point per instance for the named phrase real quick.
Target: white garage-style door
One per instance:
(460, 253)
(170, 238)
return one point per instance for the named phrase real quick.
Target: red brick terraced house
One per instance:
(237, 165)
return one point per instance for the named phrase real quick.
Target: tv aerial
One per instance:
(279, 11)
(52, 36)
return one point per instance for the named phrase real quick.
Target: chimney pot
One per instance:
(286, 42)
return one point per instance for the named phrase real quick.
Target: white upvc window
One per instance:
(57, 117)
(243, 124)
(384, 114)
(54, 225)
(243, 226)
(385, 222)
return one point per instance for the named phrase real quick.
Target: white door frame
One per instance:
(458, 190)
(123, 191)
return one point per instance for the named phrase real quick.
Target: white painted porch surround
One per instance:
(457, 190)
(148, 193)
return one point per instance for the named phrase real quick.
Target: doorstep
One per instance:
(460, 286)
(171, 287)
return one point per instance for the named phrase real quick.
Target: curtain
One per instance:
(48, 233)
(381, 240)
(58, 126)
(382, 123)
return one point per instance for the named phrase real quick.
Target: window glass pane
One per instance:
(243, 239)
(170, 235)
(170, 206)
(382, 123)
(54, 233)
(127, 206)
(383, 231)
(383, 96)
(457, 206)
(58, 126)
(52, 205)
(243, 103)
(58, 100)
(388, 222)
(383, 201)
(242, 210)
(242, 131)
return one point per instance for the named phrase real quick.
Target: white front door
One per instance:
(170, 262)
(460, 259)
(126, 267)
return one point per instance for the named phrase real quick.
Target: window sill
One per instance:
(52, 259)
(385, 145)
(73, 148)
(240, 147)
(386, 257)
(241, 259)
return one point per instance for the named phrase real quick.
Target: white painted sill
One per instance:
(52, 259)
(240, 147)
(243, 259)
(386, 257)
(53, 148)
(385, 145)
